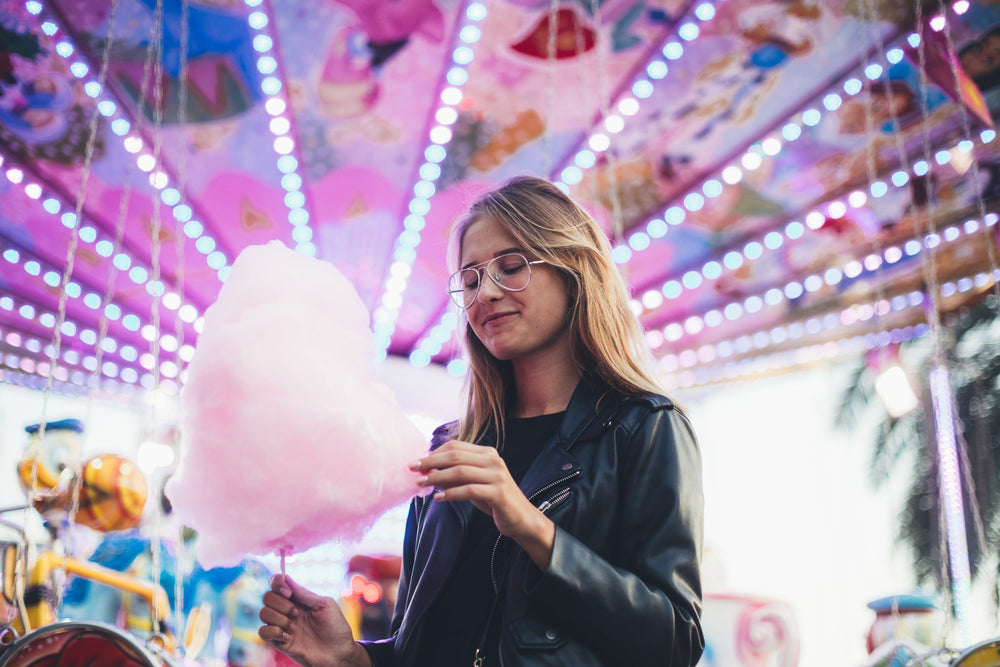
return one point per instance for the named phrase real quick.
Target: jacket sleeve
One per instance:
(648, 606)
(382, 651)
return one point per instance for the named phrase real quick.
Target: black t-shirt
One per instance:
(455, 622)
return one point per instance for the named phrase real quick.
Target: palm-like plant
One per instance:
(972, 354)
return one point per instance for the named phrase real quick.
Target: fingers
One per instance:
(279, 584)
(460, 475)
(269, 616)
(276, 615)
(479, 494)
(284, 586)
(278, 612)
(273, 635)
(455, 452)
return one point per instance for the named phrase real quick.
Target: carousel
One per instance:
(233, 216)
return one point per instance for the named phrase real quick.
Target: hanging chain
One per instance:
(952, 58)
(182, 118)
(871, 164)
(93, 382)
(56, 346)
(617, 224)
(157, 82)
(872, 169)
(929, 265)
(550, 87)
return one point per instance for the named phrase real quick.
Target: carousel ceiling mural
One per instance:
(782, 180)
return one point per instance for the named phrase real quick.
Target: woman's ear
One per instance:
(572, 282)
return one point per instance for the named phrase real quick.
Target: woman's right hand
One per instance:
(309, 628)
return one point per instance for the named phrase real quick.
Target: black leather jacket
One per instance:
(622, 482)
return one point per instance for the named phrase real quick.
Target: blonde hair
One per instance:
(606, 338)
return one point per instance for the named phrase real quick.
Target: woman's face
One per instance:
(515, 325)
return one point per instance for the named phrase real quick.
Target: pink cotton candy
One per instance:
(288, 441)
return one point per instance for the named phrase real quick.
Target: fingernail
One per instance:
(285, 637)
(295, 612)
(415, 465)
(286, 591)
(421, 481)
(439, 495)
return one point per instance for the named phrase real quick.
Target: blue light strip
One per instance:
(122, 370)
(756, 153)
(134, 144)
(774, 239)
(101, 244)
(278, 107)
(642, 88)
(405, 248)
(691, 358)
(753, 304)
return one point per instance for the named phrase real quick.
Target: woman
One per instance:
(565, 523)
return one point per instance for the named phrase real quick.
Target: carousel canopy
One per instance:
(782, 181)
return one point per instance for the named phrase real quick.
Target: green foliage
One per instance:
(972, 354)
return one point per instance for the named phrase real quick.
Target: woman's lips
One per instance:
(497, 318)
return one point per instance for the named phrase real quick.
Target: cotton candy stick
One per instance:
(287, 438)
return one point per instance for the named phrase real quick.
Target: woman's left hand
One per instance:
(466, 471)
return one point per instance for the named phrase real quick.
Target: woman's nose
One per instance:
(489, 290)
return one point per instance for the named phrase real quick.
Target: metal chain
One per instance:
(550, 86)
(94, 381)
(617, 225)
(157, 47)
(182, 118)
(929, 265)
(56, 346)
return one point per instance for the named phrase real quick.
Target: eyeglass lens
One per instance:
(509, 271)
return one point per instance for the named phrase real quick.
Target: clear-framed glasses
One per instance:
(511, 272)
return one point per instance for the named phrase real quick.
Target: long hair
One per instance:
(606, 339)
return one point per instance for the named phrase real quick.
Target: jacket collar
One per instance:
(587, 413)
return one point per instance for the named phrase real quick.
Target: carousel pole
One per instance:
(942, 396)
(950, 489)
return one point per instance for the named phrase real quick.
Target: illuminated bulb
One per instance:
(275, 106)
(599, 142)
(280, 125)
(732, 174)
(629, 106)
(771, 146)
(440, 134)
(751, 161)
(614, 124)
(896, 392)
(446, 116)
(158, 180)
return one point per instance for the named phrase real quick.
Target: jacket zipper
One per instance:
(543, 507)
(549, 504)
